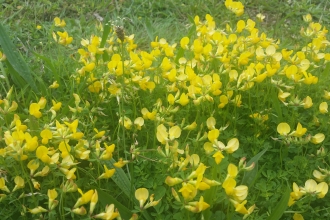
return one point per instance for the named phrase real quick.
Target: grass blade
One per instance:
(281, 206)
(249, 177)
(15, 59)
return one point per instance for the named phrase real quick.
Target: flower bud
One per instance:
(37, 210)
(79, 211)
(172, 181)
(318, 138)
(175, 195)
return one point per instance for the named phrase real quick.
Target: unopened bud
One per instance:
(175, 195)
(204, 137)
(249, 168)
(170, 181)
(242, 163)
(321, 152)
(160, 151)
(80, 211)
(211, 182)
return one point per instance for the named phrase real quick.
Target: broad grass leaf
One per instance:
(107, 199)
(16, 61)
(106, 32)
(122, 181)
(249, 176)
(281, 206)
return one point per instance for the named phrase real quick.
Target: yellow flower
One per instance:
(36, 184)
(300, 131)
(240, 207)
(141, 195)
(127, 123)
(42, 102)
(229, 185)
(72, 126)
(107, 173)
(64, 38)
(236, 7)
(148, 115)
(283, 128)
(307, 102)
(139, 122)
(46, 134)
(188, 191)
(218, 156)
(42, 154)
(232, 171)
(197, 207)
(297, 216)
(210, 123)
(307, 18)
(79, 211)
(323, 107)
(172, 181)
(107, 154)
(213, 134)
(52, 194)
(283, 95)
(223, 101)
(3, 185)
(171, 99)
(163, 136)
(319, 176)
(98, 134)
(69, 174)
(109, 213)
(85, 198)
(43, 172)
(312, 187)
(35, 110)
(183, 100)
(55, 85)
(326, 95)
(19, 181)
(260, 17)
(191, 127)
(93, 202)
(38, 27)
(56, 105)
(120, 163)
(58, 22)
(37, 210)
(95, 87)
(318, 138)
(232, 145)
(184, 42)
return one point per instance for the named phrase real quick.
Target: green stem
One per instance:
(29, 182)
(6, 78)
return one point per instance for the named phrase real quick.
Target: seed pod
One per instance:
(120, 33)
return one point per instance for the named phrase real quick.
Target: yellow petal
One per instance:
(142, 195)
(174, 132)
(283, 128)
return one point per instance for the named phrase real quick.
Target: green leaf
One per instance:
(277, 106)
(122, 181)
(106, 32)
(249, 176)
(16, 61)
(281, 206)
(120, 178)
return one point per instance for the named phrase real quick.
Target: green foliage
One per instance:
(153, 112)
